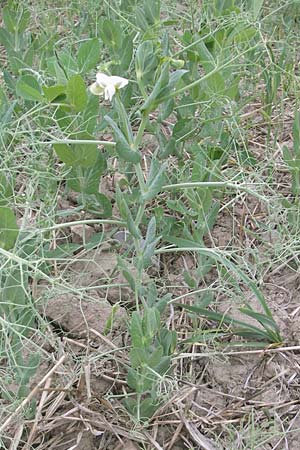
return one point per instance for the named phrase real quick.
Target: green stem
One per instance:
(140, 213)
(213, 184)
(136, 144)
(139, 135)
(78, 141)
(82, 222)
(140, 177)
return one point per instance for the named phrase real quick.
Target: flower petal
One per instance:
(103, 79)
(110, 91)
(119, 82)
(96, 89)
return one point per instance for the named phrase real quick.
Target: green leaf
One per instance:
(6, 40)
(126, 153)
(128, 275)
(180, 242)
(240, 326)
(136, 330)
(76, 93)
(256, 8)
(91, 114)
(296, 134)
(215, 82)
(206, 57)
(52, 92)
(167, 90)
(23, 20)
(148, 253)
(163, 365)
(14, 302)
(190, 280)
(152, 11)
(133, 380)
(152, 101)
(245, 35)
(150, 243)
(119, 136)
(156, 179)
(68, 62)
(6, 191)
(8, 228)
(166, 109)
(56, 70)
(95, 241)
(13, 293)
(145, 61)
(264, 320)
(151, 231)
(61, 251)
(290, 159)
(97, 204)
(78, 155)
(9, 18)
(139, 381)
(86, 180)
(140, 19)
(151, 322)
(138, 357)
(86, 154)
(182, 128)
(88, 55)
(130, 403)
(127, 217)
(168, 340)
(28, 368)
(155, 357)
(29, 55)
(148, 408)
(111, 34)
(168, 148)
(28, 88)
(175, 77)
(124, 121)
(126, 52)
(65, 154)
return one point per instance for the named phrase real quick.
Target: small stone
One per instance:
(81, 233)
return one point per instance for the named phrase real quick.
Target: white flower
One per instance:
(107, 85)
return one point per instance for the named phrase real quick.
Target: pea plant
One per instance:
(129, 82)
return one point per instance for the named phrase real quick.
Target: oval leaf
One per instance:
(127, 154)
(8, 228)
(88, 55)
(28, 88)
(76, 93)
